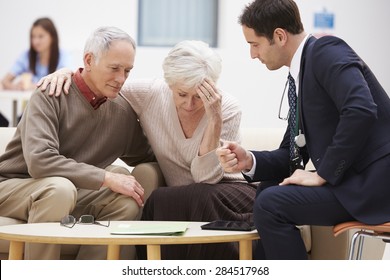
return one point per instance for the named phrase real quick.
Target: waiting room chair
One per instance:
(381, 231)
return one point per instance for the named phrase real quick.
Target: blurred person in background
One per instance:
(43, 58)
(58, 163)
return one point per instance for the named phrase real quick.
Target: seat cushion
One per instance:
(4, 221)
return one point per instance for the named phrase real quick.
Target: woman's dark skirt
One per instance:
(203, 203)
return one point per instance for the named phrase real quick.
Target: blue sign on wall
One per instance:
(324, 20)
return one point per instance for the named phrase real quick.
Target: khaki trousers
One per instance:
(50, 199)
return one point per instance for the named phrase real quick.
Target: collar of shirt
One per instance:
(296, 62)
(86, 91)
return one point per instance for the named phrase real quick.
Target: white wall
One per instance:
(362, 23)
(386, 254)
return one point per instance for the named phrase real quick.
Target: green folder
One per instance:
(155, 228)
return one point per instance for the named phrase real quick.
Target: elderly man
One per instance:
(56, 163)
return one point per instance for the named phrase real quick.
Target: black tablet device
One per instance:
(229, 225)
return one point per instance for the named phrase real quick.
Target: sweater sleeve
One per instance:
(20, 66)
(207, 168)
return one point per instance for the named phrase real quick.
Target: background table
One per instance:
(15, 97)
(53, 233)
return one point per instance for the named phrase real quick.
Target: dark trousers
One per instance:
(3, 121)
(277, 211)
(200, 202)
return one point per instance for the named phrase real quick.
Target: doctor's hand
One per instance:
(234, 158)
(304, 178)
(58, 80)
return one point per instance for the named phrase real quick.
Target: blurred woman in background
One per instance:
(43, 57)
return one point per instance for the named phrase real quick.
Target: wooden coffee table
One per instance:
(53, 233)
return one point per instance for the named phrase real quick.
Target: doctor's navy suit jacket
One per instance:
(345, 116)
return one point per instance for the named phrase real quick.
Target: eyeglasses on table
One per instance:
(69, 221)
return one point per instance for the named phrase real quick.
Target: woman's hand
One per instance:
(58, 80)
(211, 99)
(9, 83)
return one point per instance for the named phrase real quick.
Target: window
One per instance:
(167, 22)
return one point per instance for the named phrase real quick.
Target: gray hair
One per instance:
(190, 62)
(100, 40)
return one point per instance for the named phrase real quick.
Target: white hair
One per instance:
(190, 62)
(100, 40)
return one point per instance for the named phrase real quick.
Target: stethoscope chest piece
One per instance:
(300, 140)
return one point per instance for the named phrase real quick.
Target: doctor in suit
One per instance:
(342, 123)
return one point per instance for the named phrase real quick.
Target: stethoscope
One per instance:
(299, 139)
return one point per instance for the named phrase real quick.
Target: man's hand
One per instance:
(304, 178)
(234, 158)
(57, 80)
(126, 185)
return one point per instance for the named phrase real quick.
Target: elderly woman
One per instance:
(185, 117)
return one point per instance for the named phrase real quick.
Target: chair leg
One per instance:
(353, 246)
(359, 252)
(381, 232)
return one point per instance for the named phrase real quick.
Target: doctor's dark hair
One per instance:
(264, 16)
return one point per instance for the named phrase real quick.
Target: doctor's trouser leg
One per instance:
(38, 201)
(277, 211)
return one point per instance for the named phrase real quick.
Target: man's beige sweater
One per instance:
(64, 136)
